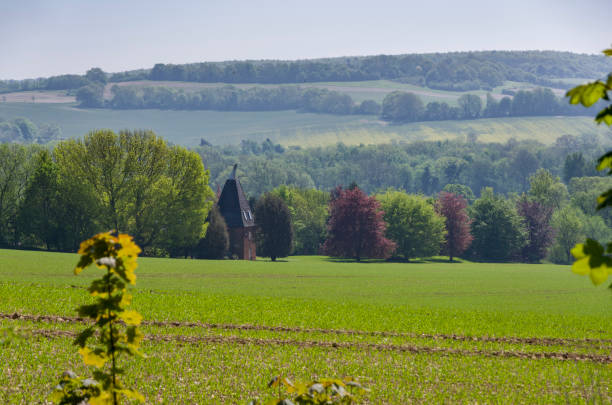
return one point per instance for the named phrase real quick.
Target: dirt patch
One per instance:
(538, 341)
(563, 356)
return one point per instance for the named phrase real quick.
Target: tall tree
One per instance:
(458, 237)
(499, 233)
(567, 223)
(413, 224)
(308, 208)
(356, 227)
(547, 189)
(159, 194)
(274, 231)
(540, 233)
(470, 106)
(216, 242)
(39, 211)
(15, 163)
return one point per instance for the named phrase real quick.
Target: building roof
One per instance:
(234, 206)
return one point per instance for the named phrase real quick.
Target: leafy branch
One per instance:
(592, 258)
(115, 330)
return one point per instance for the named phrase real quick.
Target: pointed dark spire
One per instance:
(233, 175)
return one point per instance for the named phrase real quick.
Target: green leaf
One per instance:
(605, 116)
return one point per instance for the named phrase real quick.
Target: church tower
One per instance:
(236, 211)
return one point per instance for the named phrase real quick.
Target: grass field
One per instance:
(415, 332)
(290, 127)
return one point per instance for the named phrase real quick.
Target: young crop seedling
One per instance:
(323, 391)
(115, 330)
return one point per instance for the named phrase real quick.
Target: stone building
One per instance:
(236, 211)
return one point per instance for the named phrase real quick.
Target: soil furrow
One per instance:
(563, 356)
(539, 341)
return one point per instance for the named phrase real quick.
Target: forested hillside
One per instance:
(452, 71)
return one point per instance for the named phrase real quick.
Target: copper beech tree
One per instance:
(458, 237)
(356, 227)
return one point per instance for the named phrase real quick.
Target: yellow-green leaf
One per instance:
(599, 274)
(130, 317)
(92, 359)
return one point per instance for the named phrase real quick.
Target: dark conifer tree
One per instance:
(215, 243)
(274, 231)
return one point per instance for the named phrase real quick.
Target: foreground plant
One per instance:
(592, 258)
(323, 391)
(115, 330)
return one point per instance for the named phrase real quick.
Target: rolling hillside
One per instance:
(290, 127)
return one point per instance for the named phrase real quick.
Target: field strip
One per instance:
(541, 341)
(563, 356)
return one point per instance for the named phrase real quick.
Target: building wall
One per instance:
(242, 243)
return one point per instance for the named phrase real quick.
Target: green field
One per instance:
(292, 128)
(427, 332)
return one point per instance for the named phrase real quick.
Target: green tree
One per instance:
(400, 106)
(308, 208)
(547, 190)
(15, 169)
(470, 106)
(160, 194)
(498, 231)
(216, 242)
(569, 230)
(274, 231)
(96, 75)
(39, 210)
(462, 190)
(90, 96)
(413, 224)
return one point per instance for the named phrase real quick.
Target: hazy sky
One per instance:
(48, 37)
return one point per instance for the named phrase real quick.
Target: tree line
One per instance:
(397, 106)
(22, 130)
(400, 107)
(457, 71)
(420, 167)
(228, 98)
(134, 181)
(541, 224)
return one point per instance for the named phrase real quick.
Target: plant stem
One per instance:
(112, 340)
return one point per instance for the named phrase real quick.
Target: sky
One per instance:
(40, 38)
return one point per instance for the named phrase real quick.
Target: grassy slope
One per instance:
(289, 127)
(468, 298)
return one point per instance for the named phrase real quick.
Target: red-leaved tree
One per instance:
(356, 227)
(458, 237)
(541, 234)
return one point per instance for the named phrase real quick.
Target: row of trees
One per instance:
(400, 107)
(397, 106)
(132, 181)
(22, 130)
(417, 167)
(529, 227)
(227, 98)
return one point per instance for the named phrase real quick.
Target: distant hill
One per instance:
(455, 71)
